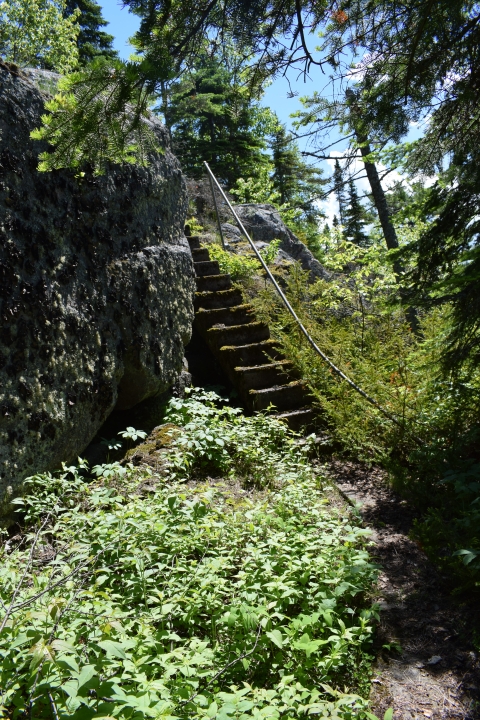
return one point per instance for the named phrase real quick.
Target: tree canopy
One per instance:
(389, 64)
(35, 33)
(213, 114)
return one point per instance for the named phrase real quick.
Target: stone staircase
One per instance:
(243, 347)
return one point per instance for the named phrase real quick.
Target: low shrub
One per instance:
(432, 452)
(139, 596)
(239, 267)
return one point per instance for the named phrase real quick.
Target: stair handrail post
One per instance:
(302, 328)
(210, 174)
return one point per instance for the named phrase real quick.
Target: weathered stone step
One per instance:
(218, 299)
(257, 353)
(250, 359)
(283, 397)
(237, 315)
(194, 242)
(200, 254)
(238, 334)
(213, 282)
(262, 376)
(298, 419)
(207, 267)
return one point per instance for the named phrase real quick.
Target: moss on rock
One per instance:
(152, 451)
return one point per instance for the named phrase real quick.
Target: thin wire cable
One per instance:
(304, 331)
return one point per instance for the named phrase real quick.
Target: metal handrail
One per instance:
(292, 312)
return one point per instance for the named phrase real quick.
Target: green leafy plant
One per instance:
(112, 444)
(108, 470)
(199, 601)
(239, 267)
(36, 33)
(131, 434)
(270, 252)
(430, 452)
(258, 189)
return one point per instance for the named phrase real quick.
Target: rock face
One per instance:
(96, 291)
(264, 224)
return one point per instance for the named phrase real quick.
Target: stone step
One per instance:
(200, 254)
(237, 315)
(263, 376)
(298, 419)
(206, 267)
(238, 334)
(213, 282)
(218, 299)
(283, 397)
(194, 242)
(257, 353)
(250, 359)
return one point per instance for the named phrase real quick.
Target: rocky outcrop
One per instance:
(96, 291)
(264, 224)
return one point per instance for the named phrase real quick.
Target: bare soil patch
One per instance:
(436, 672)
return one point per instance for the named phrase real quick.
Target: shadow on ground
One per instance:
(436, 674)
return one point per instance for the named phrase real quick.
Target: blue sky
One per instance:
(123, 25)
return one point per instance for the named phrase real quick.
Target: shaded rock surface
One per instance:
(96, 291)
(264, 224)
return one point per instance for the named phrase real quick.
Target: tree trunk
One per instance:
(388, 228)
(378, 195)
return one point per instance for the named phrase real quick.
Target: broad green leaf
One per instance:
(114, 649)
(86, 674)
(276, 637)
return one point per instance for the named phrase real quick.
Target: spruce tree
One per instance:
(213, 116)
(339, 190)
(298, 183)
(92, 41)
(285, 156)
(355, 218)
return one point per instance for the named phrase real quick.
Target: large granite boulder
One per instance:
(264, 224)
(96, 291)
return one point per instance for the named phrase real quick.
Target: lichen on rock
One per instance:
(96, 291)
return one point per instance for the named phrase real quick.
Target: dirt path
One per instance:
(437, 672)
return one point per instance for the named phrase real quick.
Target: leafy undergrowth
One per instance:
(169, 595)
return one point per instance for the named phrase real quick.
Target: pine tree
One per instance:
(92, 41)
(297, 183)
(355, 218)
(214, 117)
(339, 190)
